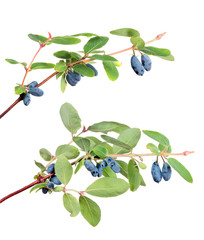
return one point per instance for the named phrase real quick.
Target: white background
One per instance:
(168, 99)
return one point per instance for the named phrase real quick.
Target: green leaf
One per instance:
(133, 175)
(103, 57)
(180, 169)
(100, 151)
(142, 165)
(157, 137)
(138, 42)
(38, 186)
(106, 127)
(70, 152)
(84, 70)
(70, 118)
(126, 32)
(168, 58)
(123, 168)
(60, 67)
(19, 90)
(156, 51)
(93, 141)
(142, 182)
(79, 166)
(40, 165)
(45, 154)
(108, 187)
(65, 40)
(59, 74)
(85, 35)
(62, 54)
(94, 43)
(130, 136)
(108, 172)
(116, 142)
(63, 169)
(83, 143)
(107, 147)
(71, 204)
(12, 61)
(58, 189)
(154, 149)
(111, 70)
(90, 210)
(63, 83)
(42, 65)
(37, 38)
(163, 148)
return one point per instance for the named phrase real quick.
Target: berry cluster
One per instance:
(158, 174)
(73, 77)
(53, 179)
(97, 171)
(140, 67)
(33, 90)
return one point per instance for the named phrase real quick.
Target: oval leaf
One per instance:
(70, 152)
(95, 43)
(71, 204)
(100, 151)
(156, 51)
(63, 170)
(65, 40)
(103, 57)
(63, 83)
(60, 67)
(154, 149)
(62, 54)
(37, 38)
(108, 187)
(70, 118)
(42, 65)
(138, 42)
(108, 172)
(133, 175)
(45, 154)
(180, 169)
(116, 142)
(40, 165)
(84, 70)
(83, 143)
(126, 32)
(157, 137)
(123, 168)
(90, 210)
(111, 70)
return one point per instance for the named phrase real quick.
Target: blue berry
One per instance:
(33, 84)
(146, 62)
(51, 168)
(50, 185)
(93, 68)
(100, 169)
(36, 92)
(26, 99)
(55, 180)
(73, 78)
(137, 66)
(44, 190)
(94, 172)
(156, 172)
(89, 165)
(113, 164)
(166, 171)
(104, 164)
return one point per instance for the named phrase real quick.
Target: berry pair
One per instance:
(33, 91)
(140, 67)
(73, 77)
(158, 174)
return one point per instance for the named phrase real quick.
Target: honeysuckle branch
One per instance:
(83, 59)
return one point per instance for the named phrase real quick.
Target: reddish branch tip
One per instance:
(50, 35)
(82, 193)
(84, 129)
(158, 37)
(187, 153)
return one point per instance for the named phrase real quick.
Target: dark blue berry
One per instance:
(100, 169)
(55, 180)
(26, 99)
(113, 164)
(51, 168)
(89, 165)
(44, 190)
(36, 92)
(104, 164)
(146, 62)
(50, 185)
(93, 68)
(33, 84)
(73, 78)
(94, 172)
(137, 66)
(166, 171)
(156, 172)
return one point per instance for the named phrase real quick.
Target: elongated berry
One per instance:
(55, 180)
(146, 62)
(93, 68)
(94, 172)
(51, 168)
(104, 164)
(166, 171)
(26, 99)
(36, 92)
(50, 185)
(44, 190)
(33, 84)
(156, 172)
(137, 66)
(89, 165)
(73, 78)
(100, 169)
(113, 164)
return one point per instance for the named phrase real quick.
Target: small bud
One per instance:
(158, 37)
